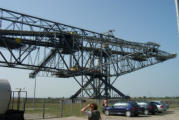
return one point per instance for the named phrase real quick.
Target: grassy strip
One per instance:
(52, 106)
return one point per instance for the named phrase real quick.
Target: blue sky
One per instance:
(133, 20)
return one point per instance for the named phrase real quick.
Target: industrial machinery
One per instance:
(94, 60)
(177, 12)
(5, 96)
(9, 103)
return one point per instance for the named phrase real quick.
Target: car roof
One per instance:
(142, 103)
(122, 103)
(157, 101)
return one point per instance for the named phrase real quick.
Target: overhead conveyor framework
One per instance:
(94, 60)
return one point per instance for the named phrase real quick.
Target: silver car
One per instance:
(161, 106)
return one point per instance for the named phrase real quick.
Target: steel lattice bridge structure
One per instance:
(94, 60)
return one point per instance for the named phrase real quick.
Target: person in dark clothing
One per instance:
(93, 113)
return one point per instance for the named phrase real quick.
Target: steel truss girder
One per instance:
(45, 46)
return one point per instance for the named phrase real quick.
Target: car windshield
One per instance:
(143, 104)
(156, 103)
(134, 104)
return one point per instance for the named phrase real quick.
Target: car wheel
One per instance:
(146, 112)
(136, 114)
(156, 110)
(153, 113)
(106, 113)
(128, 113)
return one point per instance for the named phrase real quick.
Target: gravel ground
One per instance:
(171, 114)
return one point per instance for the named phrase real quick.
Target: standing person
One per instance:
(93, 113)
(105, 103)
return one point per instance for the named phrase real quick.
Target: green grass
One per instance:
(52, 106)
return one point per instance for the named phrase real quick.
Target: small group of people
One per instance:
(91, 110)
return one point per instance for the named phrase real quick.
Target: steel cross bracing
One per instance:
(93, 59)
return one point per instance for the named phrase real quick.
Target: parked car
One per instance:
(147, 108)
(143, 108)
(160, 106)
(125, 108)
(165, 106)
(152, 108)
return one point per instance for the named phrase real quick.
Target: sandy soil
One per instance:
(172, 114)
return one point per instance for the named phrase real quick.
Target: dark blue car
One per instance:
(124, 108)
